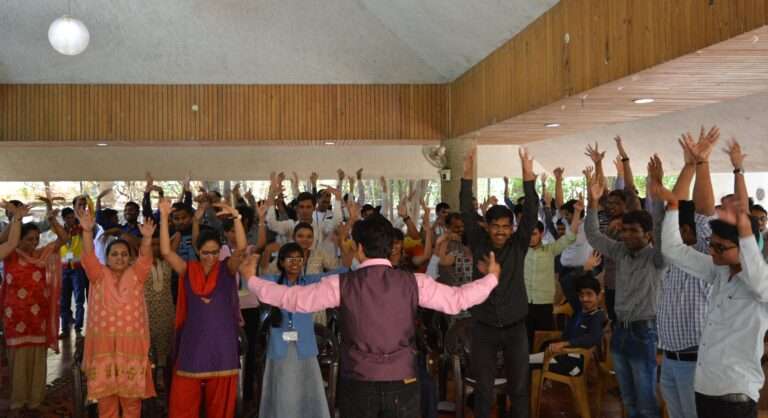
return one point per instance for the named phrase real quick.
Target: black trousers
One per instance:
(251, 317)
(610, 303)
(539, 319)
(714, 407)
(359, 399)
(487, 341)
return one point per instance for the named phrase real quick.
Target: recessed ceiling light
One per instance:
(644, 100)
(102, 144)
(552, 125)
(330, 143)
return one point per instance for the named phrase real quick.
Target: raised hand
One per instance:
(402, 208)
(248, 266)
(334, 191)
(164, 205)
(187, 183)
(261, 211)
(150, 181)
(354, 210)
(526, 161)
(559, 171)
(147, 228)
(655, 169)
(359, 173)
(594, 153)
(593, 261)
(87, 222)
(104, 192)
(295, 178)
(688, 156)
(620, 147)
(619, 166)
(425, 222)
(313, 178)
(469, 164)
(226, 210)
(733, 149)
(493, 266)
(200, 211)
(596, 185)
(340, 174)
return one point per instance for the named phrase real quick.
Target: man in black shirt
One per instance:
(500, 320)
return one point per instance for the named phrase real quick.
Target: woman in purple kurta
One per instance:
(207, 318)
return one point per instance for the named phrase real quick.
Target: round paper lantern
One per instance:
(68, 35)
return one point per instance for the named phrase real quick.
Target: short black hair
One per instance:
(366, 207)
(306, 196)
(109, 212)
(619, 194)
(725, 230)
(27, 228)
(759, 209)
(117, 242)
(207, 235)
(518, 209)
(285, 251)
(67, 211)
(499, 212)
(302, 225)
(540, 226)
(15, 202)
(374, 233)
(442, 205)
(639, 217)
(248, 214)
(569, 206)
(453, 216)
(587, 281)
(397, 235)
(134, 204)
(184, 208)
(687, 213)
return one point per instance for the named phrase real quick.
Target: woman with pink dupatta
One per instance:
(116, 357)
(30, 305)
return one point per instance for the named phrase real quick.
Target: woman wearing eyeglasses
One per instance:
(207, 317)
(293, 385)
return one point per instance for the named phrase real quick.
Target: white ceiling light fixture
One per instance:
(552, 125)
(643, 100)
(67, 35)
(102, 144)
(330, 143)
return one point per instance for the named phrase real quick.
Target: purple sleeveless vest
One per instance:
(378, 314)
(208, 339)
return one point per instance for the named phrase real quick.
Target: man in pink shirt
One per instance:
(377, 315)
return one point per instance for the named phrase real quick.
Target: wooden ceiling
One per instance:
(734, 68)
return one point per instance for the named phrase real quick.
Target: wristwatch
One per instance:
(738, 171)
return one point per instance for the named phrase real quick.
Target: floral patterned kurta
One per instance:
(116, 358)
(27, 297)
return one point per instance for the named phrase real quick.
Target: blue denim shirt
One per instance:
(302, 322)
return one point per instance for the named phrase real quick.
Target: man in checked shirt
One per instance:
(683, 298)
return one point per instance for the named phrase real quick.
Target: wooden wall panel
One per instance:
(609, 39)
(224, 112)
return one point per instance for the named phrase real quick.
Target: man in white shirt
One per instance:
(323, 223)
(729, 375)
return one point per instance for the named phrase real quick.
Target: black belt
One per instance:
(732, 398)
(646, 323)
(682, 355)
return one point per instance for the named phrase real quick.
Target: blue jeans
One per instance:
(73, 282)
(634, 360)
(677, 388)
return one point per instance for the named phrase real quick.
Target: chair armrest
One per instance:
(541, 337)
(586, 353)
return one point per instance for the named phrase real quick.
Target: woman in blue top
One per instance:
(293, 385)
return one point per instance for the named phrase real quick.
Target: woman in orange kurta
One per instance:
(116, 358)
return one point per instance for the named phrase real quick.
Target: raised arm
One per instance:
(633, 202)
(62, 236)
(655, 177)
(451, 299)
(472, 230)
(197, 219)
(559, 198)
(360, 187)
(703, 193)
(597, 158)
(176, 262)
(683, 185)
(14, 229)
(522, 236)
(241, 241)
(428, 236)
(733, 149)
(597, 239)
(311, 298)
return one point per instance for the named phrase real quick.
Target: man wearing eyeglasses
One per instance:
(728, 375)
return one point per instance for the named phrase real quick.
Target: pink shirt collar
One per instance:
(375, 262)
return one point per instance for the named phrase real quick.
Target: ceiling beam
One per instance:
(581, 44)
